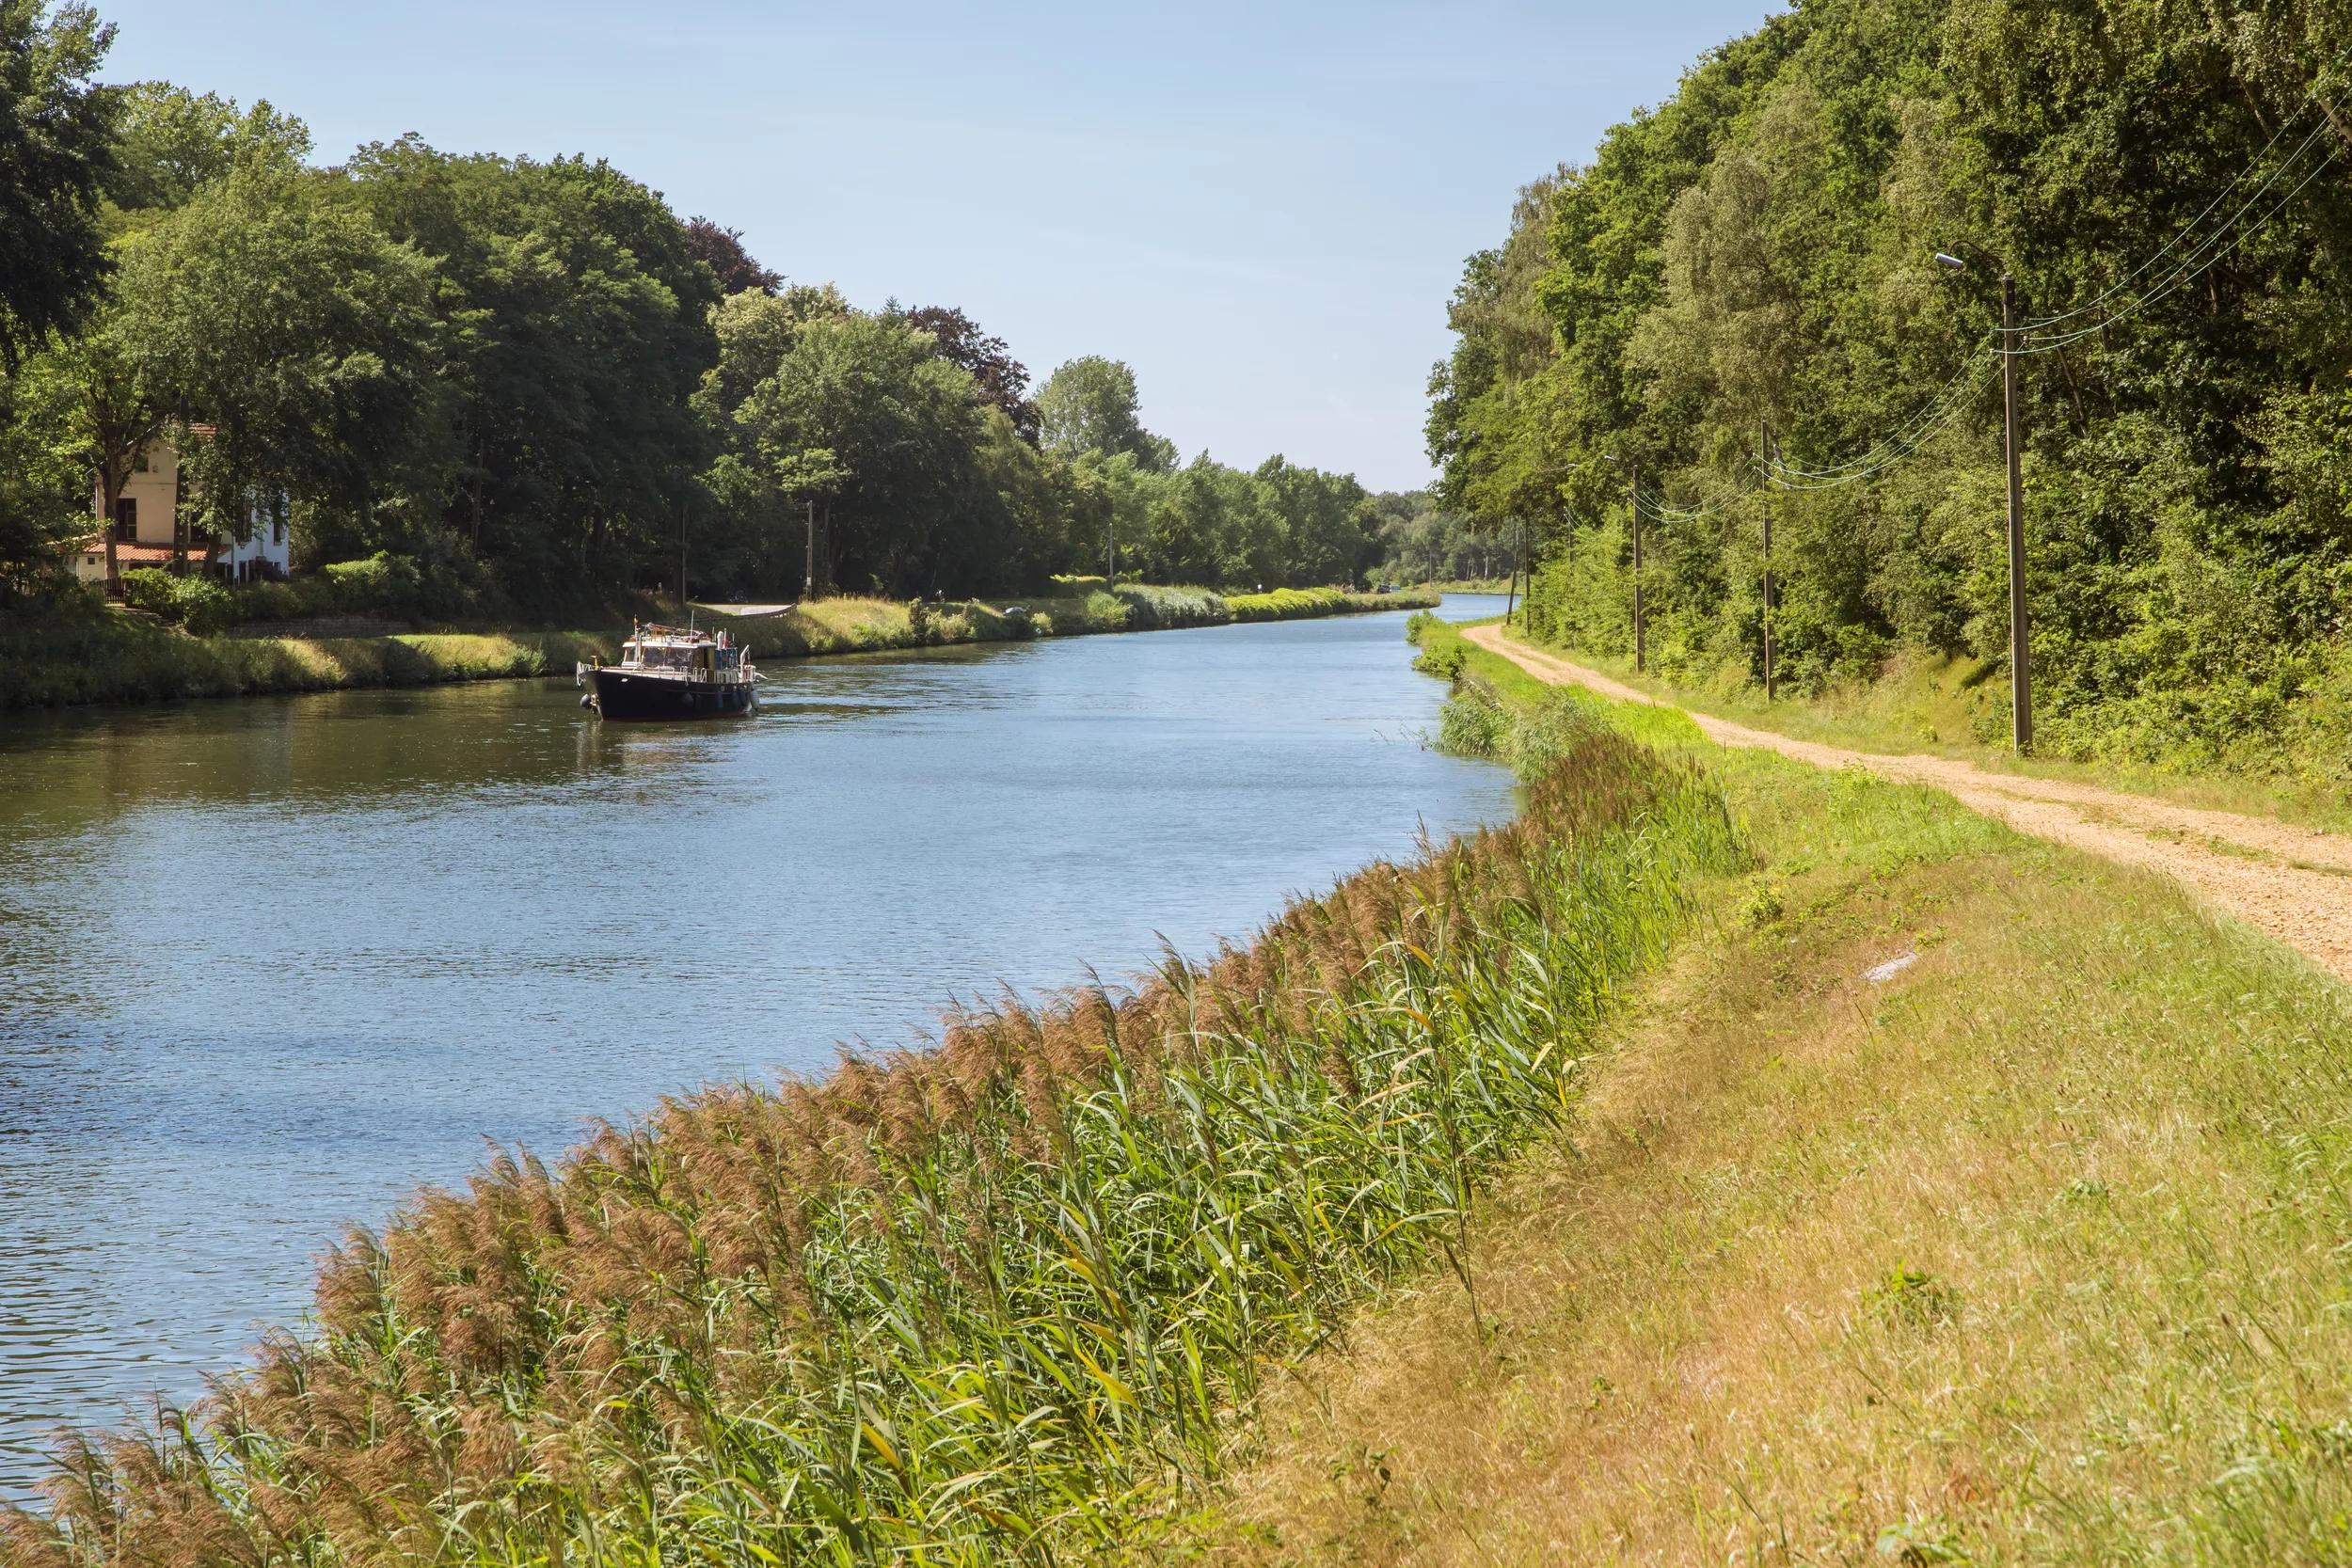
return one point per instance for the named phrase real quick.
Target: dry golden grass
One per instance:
(2032, 1253)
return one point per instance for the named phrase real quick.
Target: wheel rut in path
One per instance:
(2293, 883)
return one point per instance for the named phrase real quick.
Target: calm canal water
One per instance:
(265, 966)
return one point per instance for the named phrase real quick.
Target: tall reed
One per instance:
(953, 1307)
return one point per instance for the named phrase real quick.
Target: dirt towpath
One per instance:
(2295, 883)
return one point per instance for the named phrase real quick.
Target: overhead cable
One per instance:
(2311, 99)
(2171, 283)
(1924, 421)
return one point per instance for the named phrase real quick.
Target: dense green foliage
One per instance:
(57, 132)
(536, 383)
(1422, 540)
(1760, 248)
(958, 1306)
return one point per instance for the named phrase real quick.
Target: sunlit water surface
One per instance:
(267, 965)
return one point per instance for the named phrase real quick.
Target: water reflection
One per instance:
(269, 964)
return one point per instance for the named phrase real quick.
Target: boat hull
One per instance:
(625, 694)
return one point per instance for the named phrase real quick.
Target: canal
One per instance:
(267, 965)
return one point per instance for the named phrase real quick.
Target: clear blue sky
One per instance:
(1261, 207)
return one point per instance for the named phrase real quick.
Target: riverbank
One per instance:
(1962, 1198)
(76, 652)
(978, 1303)
(2288, 762)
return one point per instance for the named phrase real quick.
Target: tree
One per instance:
(755, 332)
(291, 332)
(43, 501)
(112, 401)
(999, 378)
(575, 325)
(57, 150)
(175, 142)
(902, 425)
(722, 250)
(1090, 405)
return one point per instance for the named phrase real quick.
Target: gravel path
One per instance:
(2295, 883)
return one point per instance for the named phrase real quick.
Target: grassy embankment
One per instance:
(1469, 585)
(987, 1303)
(2297, 770)
(2033, 1251)
(72, 653)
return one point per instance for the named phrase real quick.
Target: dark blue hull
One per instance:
(626, 694)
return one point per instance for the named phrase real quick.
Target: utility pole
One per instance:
(808, 573)
(1510, 603)
(1767, 452)
(2019, 675)
(1640, 645)
(682, 601)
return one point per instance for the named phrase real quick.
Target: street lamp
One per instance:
(2020, 676)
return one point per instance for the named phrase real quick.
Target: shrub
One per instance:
(1173, 606)
(1101, 612)
(384, 583)
(200, 603)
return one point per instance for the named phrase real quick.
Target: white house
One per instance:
(143, 525)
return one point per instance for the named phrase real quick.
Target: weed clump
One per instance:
(1914, 1298)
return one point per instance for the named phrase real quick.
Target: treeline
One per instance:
(1761, 251)
(1422, 540)
(537, 384)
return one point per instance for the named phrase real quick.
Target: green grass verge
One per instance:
(72, 651)
(2297, 769)
(89, 655)
(2029, 1250)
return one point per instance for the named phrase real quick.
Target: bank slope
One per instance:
(985, 1304)
(73, 652)
(1963, 1199)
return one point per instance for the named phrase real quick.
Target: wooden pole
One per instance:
(2020, 674)
(1767, 453)
(1641, 644)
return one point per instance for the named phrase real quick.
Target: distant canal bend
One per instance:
(266, 965)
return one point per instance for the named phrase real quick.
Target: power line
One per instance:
(1924, 421)
(1954, 399)
(2311, 99)
(1658, 514)
(2045, 342)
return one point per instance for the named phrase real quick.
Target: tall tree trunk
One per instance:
(113, 501)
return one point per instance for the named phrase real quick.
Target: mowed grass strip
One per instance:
(2036, 1249)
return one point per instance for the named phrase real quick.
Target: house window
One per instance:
(126, 521)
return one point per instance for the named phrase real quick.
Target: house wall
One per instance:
(153, 489)
(154, 492)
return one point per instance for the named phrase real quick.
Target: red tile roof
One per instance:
(143, 555)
